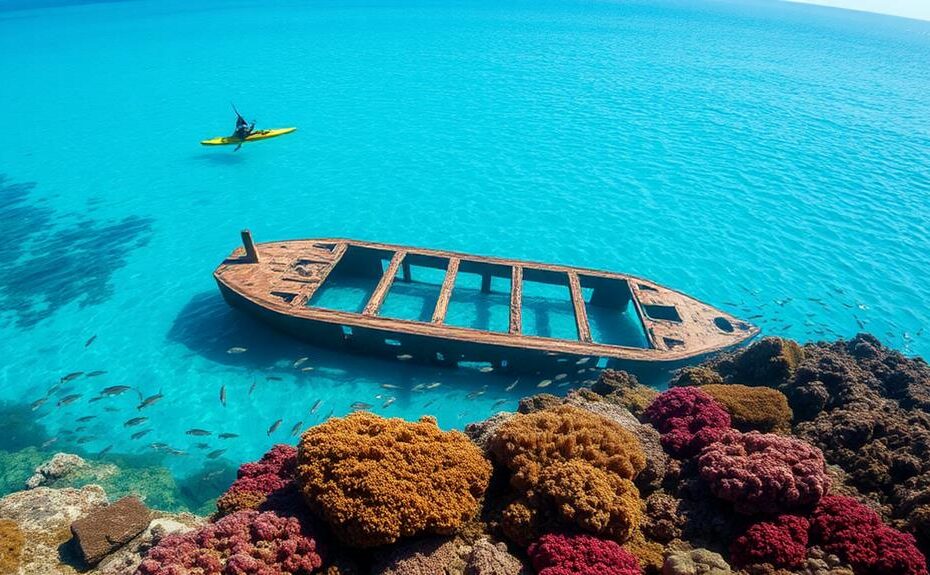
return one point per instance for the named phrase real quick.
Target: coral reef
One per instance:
(57, 468)
(662, 520)
(375, 480)
(688, 420)
(11, 546)
(481, 432)
(764, 473)
(696, 376)
(781, 542)
(538, 402)
(264, 484)
(623, 389)
(246, 541)
(769, 362)
(558, 554)
(753, 408)
(439, 555)
(695, 562)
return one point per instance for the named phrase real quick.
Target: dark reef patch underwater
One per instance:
(777, 459)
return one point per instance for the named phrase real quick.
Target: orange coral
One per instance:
(375, 480)
(753, 408)
(11, 546)
(651, 554)
(527, 444)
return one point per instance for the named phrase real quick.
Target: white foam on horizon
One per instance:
(915, 9)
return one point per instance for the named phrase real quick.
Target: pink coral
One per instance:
(557, 554)
(764, 472)
(266, 483)
(245, 542)
(849, 529)
(688, 419)
(781, 543)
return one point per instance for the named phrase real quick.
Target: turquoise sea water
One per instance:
(772, 159)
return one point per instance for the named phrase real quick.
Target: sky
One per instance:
(919, 9)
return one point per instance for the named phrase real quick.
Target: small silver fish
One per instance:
(69, 399)
(273, 378)
(360, 405)
(95, 399)
(198, 432)
(296, 429)
(135, 421)
(114, 390)
(151, 400)
(70, 376)
(202, 445)
(499, 402)
(139, 434)
(105, 450)
(83, 440)
(305, 369)
(235, 350)
(110, 409)
(215, 454)
(300, 362)
(388, 402)
(49, 442)
(96, 373)
(90, 340)
(38, 403)
(223, 395)
(227, 435)
(512, 385)
(474, 394)
(433, 385)
(158, 446)
(404, 356)
(583, 361)
(86, 418)
(561, 376)
(172, 451)
(274, 426)
(417, 387)
(389, 386)
(544, 383)
(316, 406)
(486, 369)
(251, 389)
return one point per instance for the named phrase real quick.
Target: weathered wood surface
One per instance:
(445, 292)
(299, 267)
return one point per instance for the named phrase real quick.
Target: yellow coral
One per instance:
(11, 546)
(375, 480)
(651, 555)
(753, 408)
(527, 444)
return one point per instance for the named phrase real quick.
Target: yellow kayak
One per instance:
(253, 137)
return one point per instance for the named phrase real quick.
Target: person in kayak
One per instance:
(243, 128)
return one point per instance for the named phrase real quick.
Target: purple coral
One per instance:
(764, 472)
(781, 543)
(849, 529)
(263, 484)
(688, 419)
(557, 554)
(245, 542)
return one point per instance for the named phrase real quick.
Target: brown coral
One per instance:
(375, 480)
(753, 408)
(526, 444)
(769, 362)
(623, 389)
(11, 546)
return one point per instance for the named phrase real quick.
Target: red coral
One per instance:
(849, 529)
(688, 419)
(764, 472)
(264, 484)
(557, 554)
(245, 542)
(781, 542)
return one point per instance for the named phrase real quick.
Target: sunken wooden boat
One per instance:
(453, 308)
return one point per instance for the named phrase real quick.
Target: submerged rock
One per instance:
(127, 558)
(57, 468)
(695, 562)
(104, 530)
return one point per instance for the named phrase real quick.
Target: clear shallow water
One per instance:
(771, 159)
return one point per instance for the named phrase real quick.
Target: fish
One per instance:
(198, 432)
(300, 362)
(83, 440)
(330, 414)
(71, 376)
(359, 405)
(429, 403)
(316, 405)
(560, 376)
(274, 426)
(69, 399)
(388, 402)
(139, 434)
(544, 383)
(38, 403)
(110, 409)
(86, 418)
(158, 446)
(105, 450)
(512, 385)
(95, 399)
(296, 428)
(235, 350)
(53, 389)
(486, 369)
(215, 454)
(223, 395)
(173, 451)
(80, 428)
(389, 386)
(417, 387)
(474, 394)
(49, 442)
(433, 385)
(114, 390)
(90, 340)
(227, 435)
(499, 402)
(96, 373)
(583, 361)
(202, 445)
(404, 356)
(135, 421)
(273, 378)
(306, 369)
(150, 400)
(251, 389)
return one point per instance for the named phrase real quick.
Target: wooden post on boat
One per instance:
(251, 254)
(445, 292)
(581, 314)
(516, 299)
(387, 279)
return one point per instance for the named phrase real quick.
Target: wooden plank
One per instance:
(516, 299)
(307, 291)
(581, 313)
(377, 296)
(445, 292)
